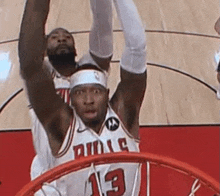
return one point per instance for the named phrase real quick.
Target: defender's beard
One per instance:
(62, 59)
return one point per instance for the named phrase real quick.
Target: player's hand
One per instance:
(217, 26)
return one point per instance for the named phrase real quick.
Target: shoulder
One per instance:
(101, 62)
(87, 59)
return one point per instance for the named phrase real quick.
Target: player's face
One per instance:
(60, 42)
(90, 102)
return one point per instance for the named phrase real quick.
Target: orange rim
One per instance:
(132, 157)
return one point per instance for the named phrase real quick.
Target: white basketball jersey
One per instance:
(114, 179)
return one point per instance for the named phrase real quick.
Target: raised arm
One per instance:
(129, 94)
(32, 43)
(48, 106)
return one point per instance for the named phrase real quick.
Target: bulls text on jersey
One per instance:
(97, 147)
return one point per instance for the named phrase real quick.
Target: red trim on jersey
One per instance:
(64, 94)
(70, 139)
(128, 133)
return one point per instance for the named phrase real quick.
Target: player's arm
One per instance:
(217, 26)
(101, 34)
(48, 106)
(130, 92)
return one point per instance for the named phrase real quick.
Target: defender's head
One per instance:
(61, 46)
(89, 93)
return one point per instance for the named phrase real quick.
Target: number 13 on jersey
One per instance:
(115, 177)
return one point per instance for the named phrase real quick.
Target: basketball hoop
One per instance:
(200, 178)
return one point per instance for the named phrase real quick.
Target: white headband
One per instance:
(88, 76)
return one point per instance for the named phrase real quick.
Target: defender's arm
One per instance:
(101, 34)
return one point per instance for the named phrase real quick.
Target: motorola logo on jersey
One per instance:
(112, 123)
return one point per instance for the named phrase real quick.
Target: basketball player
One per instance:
(61, 60)
(94, 125)
(217, 28)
